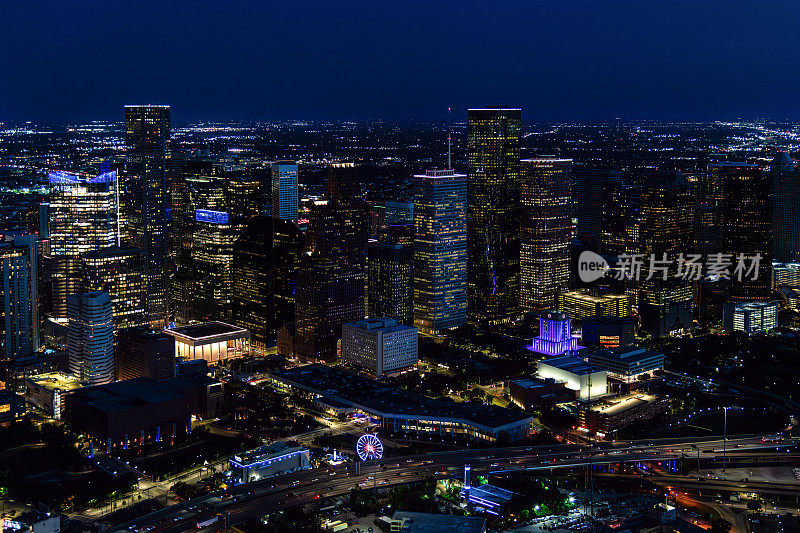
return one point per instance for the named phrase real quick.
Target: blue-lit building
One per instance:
(555, 335)
(285, 201)
(215, 233)
(440, 251)
(84, 216)
(268, 461)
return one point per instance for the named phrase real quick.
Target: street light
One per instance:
(724, 438)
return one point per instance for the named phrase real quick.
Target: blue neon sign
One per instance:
(213, 217)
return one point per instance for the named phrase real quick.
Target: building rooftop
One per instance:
(206, 330)
(438, 523)
(123, 395)
(265, 453)
(371, 394)
(571, 364)
(620, 404)
(57, 380)
(580, 295)
(491, 493)
(630, 354)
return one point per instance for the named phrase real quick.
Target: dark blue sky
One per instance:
(558, 59)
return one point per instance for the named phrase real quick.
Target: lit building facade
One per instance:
(555, 335)
(389, 274)
(666, 224)
(750, 317)
(545, 231)
(84, 216)
(380, 345)
(285, 202)
(19, 322)
(594, 190)
(211, 341)
(579, 304)
(90, 339)
(493, 174)
(785, 208)
(145, 198)
(440, 251)
(122, 273)
(212, 260)
(587, 381)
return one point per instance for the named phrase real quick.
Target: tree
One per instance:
(720, 525)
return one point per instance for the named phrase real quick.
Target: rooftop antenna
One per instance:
(449, 128)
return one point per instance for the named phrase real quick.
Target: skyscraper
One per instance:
(284, 190)
(122, 273)
(91, 337)
(145, 198)
(545, 231)
(440, 251)
(743, 196)
(266, 258)
(212, 261)
(389, 275)
(594, 188)
(330, 284)
(493, 138)
(666, 222)
(19, 325)
(785, 208)
(84, 216)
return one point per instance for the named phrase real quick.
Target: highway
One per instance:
(243, 502)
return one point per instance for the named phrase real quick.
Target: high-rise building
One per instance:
(389, 275)
(122, 273)
(594, 194)
(84, 216)
(545, 231)
(145, 353)
(330, 284)
(493, 172)
(244, 196)
(19, 322)
(440, 251)
(666, 222)
(266, 258)
(213, 237)
(91, 337)
(785, 208)
(742, 193)
(145, 199)
(285, 200)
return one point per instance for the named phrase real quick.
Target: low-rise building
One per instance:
(33, 522)
(532, 393)
(212, 341)
(607, 332)
(588, 381)
(12, 407)
(604, 417)
(579, 304)
(399, 411)
(49, 391)
(408, 522)
(267, 461)
(750, 317)
(380, 345)
(142, 353)
(627, 363)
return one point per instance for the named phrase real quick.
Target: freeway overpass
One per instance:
(243, 502)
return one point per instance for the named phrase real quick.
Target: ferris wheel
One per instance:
(369, 447)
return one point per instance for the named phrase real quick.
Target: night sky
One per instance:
(558, 59)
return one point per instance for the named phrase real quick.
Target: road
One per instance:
(243, 502)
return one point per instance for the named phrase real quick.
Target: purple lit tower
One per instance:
(555, 335)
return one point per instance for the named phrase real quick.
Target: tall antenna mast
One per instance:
(449, 124)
